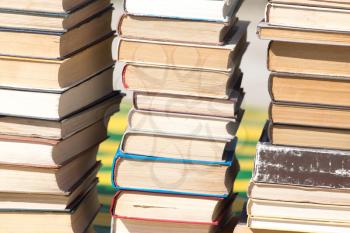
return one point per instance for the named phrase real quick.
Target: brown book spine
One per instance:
(302, 166)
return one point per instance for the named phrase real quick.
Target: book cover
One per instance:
(230, 163)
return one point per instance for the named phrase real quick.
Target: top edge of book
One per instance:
(204, 10)
(53, 8)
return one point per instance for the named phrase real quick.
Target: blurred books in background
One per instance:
(175, 167)
(301, 177)
(56, 97)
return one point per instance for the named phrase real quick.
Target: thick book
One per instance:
(310, 89)
(57, 202)
(57, 45)
(46, 153)
(56, 105)
(302, 16)
(75, 219)
(177, 208)
(176, 147)
(205, 10)
(40, 180)
(185, 124)
(301, 166)
(48, 21)
(314, 59)
(306, 136)
(186, 55)
(285, 225)
(55, 7)
(228, 108)
(299, 194)
(126, 225)
(310, 115)
(181, 81)
(176, 30)
(173, 176)
(345, 4)
(303, 35)
(41, 74)
(298, 211)
(102, 109)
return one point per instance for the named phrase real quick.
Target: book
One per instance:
(243, 228)
(60, 7)
(101, 109)
(204, 10)
(314, 59)
(180, 81)
(301, 16)
(282, 225)
(186, 55)
(314, 137)
(174, 176)
(228, 108)
(29, 151)
(177, 147)
(325, 3)
(176, 30)
(184, 124)
(57, 202)
(301, 166)
(39, 74)
(161, 207)
(48, 21)
(310, 115)
(121, 225)
(310, 89)
(304, 35)
(298, 211)
(298, 193)
(56, 105)
(58, 45)
(25, 179)
(76, 219)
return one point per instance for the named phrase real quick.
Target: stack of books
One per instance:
(56, 96)
(175, 167)
(302, 173)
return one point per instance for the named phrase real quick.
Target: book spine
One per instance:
(270, 86)
(119, 24)
(124, 77)
(306, 167)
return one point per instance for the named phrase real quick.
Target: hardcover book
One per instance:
(180, 81)
(191, 105)
(184, 124)
(63, 128)
(39, 74)
(76, 219)
(57, 202)
(51, 22)
(49, 180)
(173, 176)
(303, 35)
(176, 147)
(310, 89)
(206, 10)
(302, 16)
(176, 30)
(186, 55)
(56, 105)
(58, 45)
(301, 166)
(38, 152)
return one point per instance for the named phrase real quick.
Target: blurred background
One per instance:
(256, 104)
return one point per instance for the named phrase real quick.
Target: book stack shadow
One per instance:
(301, 181)
(175, 167)
(56, 97)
